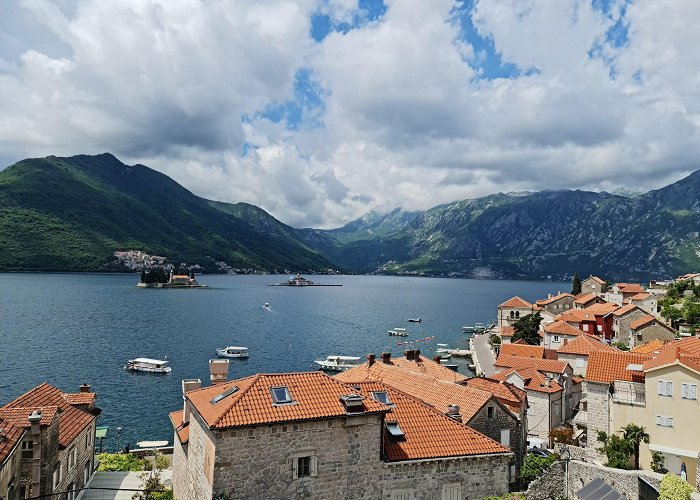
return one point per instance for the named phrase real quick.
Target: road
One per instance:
(483, 354)
(114, 481)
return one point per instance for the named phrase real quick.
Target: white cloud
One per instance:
(184, 85)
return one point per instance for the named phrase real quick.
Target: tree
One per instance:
(563, 435)
(604, 287)
(617, 449)
(576, 285)
(636, 435)
(534, 466)
(657, 462)
(674, 488)
(527, 328)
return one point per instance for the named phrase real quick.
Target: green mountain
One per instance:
(71, 214)
(530, 235)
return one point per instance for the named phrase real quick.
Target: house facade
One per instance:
(512, 310)
(622, 318)
(648, 328)
(593, 284)
(11, 438)
(306, 435)
(556, 304)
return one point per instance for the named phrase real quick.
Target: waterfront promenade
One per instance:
(483, 356)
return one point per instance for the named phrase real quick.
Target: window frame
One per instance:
(298, 466)
(685, 387)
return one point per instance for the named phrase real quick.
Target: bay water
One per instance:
(70, 329)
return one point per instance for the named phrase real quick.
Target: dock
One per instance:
(460, 353)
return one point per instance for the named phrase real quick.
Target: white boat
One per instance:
(415, 320)
(232, 351)
(338, 363)
(147, 365)
(443, 351)
(398, 332)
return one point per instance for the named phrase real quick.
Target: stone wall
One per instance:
(549, 486)
(10, 471)
(502, 419)
(189, 479)
(538, 414)
(651, 332)
(622, 331)
(598, 409)
(84, 447)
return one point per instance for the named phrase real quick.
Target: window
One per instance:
(71, 459)
(664, 388)
(452, 492)
(517, 314)
(689, 391)
(304, 467)
(512, 314)
(280, 395)
(382, 397)
(71, 492)
(664, 421)
(404, 494)
(56, 476)
(489, 412)
(599, 328)
(584, 327)
(580, 362)
(556, 338)
(505, 437)
(27, 449)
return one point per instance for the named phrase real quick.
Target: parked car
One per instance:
(539, 452)
(533, 442)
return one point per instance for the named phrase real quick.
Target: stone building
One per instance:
(434, 384)
(11, 437)
(57, 449)
(593, 284)
(577, 351)
(555, 334)
(647, 302)
(512, 310)
(622, 317)
(556, 304)
(648, 328)
(306, 435)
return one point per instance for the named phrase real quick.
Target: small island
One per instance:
(299, 280)
(157, 278)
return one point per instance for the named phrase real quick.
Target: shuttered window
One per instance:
(664, 388)
(689, 391)
(664, 421)
(304, 467)
(452, 492)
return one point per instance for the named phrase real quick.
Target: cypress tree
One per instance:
(576, 285)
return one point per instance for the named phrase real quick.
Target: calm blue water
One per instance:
(70, 329)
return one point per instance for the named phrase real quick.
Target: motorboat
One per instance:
(443, 351)
(338, 363)
(468, 329)
(415, 320)
(147, 365)
(398, 332)
(232, 351)
(479, 327)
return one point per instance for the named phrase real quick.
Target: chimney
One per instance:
(85, 388)
(189, 384)
(549, 295)
(566, 341)
(416, 354)
(35, 421)
(218, 369)
(386, 357)
(409, 354)
(453, 413)
(370, 359)
(437, 359)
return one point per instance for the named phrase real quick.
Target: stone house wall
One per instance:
(649, 333)
(550, 485)
(45, 445)
(538, 414)
(502, 419)
(598, 409)
(621, 325)
(190, 482)
(84, 446)
(10, 471)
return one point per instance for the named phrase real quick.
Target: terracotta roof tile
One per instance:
(601, 309)
(630, 287)
(525, 351)
(649, 347)
(621, 311)
(72, 421)
(690, 345)
(585, 298)
(645, 320)
(437, 392)
(544, 302)
(10, 436)
(183, 431)
(543, 365)
(423, 366)
(315, 395)
(562, 328)
(596, 278)
(19, 415)
(585, 345)
(534, 380)
(81, 398)
(516, 302)
(641, 296)
(428, 432)
(506, 393)
(507, 331)
(605, 367)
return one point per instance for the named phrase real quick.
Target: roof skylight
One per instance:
(382, 397)
(280, 395)
(394, 430)
(225, 394)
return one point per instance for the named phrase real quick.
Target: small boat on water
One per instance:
(468, 329)
(415, 320)
(443, 351)
(233, 351)
(147, 365)
(479, 327)
(338, 363)
(398, 332)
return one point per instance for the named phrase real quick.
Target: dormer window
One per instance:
(280, 395)
(392, 426)
(353, 403)
(382, 397)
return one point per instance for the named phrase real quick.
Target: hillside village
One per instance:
(556, 374)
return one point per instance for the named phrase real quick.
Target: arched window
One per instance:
(517, 314)
(512, 314)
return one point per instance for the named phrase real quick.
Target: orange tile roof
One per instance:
(690, 346)
(672, 356)
(534, 380)
(507, 331)
(506, 393)
(543, 365)
(562, 328)
(516, 302)
(10, 436)
(596, 278)
(602, 309)
(630, 287)
(544, 302)
(428, 432)
(316, 395)
(19, 415)
(641, 296)
(584, 298)
(585, 345)
(525, 351)
(72, 421)
(423, 366)
(644, 320)
(81, 398)
(649, 347)
(183, 431)
(605, 367)
(437, 392)
(628, 308)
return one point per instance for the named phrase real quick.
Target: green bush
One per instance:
(674, 488)
(507, 496)
(120, 462)
(534, 466)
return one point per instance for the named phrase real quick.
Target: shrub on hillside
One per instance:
(674, 488)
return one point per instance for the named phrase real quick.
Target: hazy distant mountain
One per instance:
(73, 213)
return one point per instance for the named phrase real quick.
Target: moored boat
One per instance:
(338, 363)
(147, 365)
(232, 351)
(398, 332)
(415, 320)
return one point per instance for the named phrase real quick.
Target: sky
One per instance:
(320, 111)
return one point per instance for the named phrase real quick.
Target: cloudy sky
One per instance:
(321, 110)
